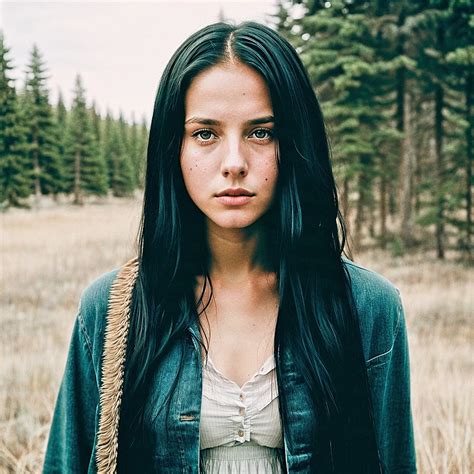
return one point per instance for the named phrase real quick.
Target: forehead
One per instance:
(228, 92)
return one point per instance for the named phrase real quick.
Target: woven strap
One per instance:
(113, 363)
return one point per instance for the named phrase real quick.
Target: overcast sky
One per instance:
(119, 48)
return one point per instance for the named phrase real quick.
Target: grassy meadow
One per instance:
(48, 256)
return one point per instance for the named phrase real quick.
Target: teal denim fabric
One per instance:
(72, 438)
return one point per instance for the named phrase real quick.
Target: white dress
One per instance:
(240, 428)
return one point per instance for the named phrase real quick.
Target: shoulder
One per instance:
(379, 309)
(95, 296)
(369, 285)
(111, 291)
(92, 314)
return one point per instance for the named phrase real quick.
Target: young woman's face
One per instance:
(228, 143)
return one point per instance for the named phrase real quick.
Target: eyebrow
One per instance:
(208, 121)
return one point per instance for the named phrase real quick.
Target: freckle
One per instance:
(266, 179)
(190, 169)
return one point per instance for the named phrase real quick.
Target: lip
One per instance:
(234, 200)
(235, 192)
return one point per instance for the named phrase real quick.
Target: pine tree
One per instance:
(283, 21)
(142, 151)
(463, 59)
(62, 118)
(97, 127)
(395, 83)
(96, 121)
(123, 182)
(137, 145)
(460, 120)
(86, 172)
(117, 156)
(42, 131)
(109, 145)
(124, 130)
(16, 176)
(342, 52)
(134, 147)
(440, 30)
(61, 111)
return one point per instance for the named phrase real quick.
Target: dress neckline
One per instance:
(265, 368)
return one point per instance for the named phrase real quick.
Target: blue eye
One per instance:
(199, 135)
(267, 133)
(204, 136)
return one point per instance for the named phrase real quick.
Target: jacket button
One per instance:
(241, 411)
(241, 433)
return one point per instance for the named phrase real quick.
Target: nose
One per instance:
(234, 161)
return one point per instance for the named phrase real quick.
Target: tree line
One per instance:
(47, 149)
(396, 83)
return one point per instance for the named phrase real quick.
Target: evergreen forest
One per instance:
(48, 150)
(395, 80)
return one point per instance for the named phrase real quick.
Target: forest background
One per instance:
(396, 85)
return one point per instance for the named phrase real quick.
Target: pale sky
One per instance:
(119, 48)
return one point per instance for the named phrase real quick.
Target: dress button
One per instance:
(241, 396)
(241, 411)
(241, 433)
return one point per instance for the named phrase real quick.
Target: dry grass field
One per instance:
(48, 256)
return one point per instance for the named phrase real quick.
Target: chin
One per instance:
(237, 222)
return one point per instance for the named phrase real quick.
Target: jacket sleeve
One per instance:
(389, 376)
(71, 438)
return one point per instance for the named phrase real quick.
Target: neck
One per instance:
(237, 255)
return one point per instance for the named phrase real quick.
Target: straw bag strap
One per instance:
(113, 363)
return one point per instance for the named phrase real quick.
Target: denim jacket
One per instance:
(83, 435)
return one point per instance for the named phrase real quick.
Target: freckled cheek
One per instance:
(269, 170)
(269, 177)
(190, 161)
(196, 176)
(193, 166)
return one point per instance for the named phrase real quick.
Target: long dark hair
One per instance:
(317, 319)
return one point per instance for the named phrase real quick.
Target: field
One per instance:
(48, 256)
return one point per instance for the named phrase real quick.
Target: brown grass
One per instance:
(48, 256)
(438, 302)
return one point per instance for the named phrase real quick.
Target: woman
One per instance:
(239, 339)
